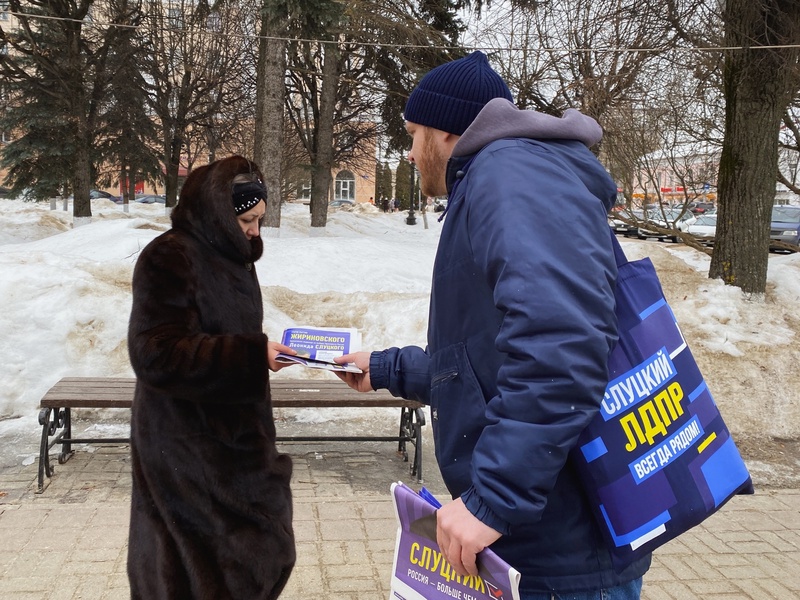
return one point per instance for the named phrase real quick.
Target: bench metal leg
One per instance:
(44, 448)
(66, 445)
(405, 432)
(51, 420)
(411, 422)
(416, 466)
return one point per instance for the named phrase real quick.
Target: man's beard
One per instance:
(432, 168)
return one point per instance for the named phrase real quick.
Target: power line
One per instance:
(486, 49)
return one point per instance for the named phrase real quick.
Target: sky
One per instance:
(66, 302)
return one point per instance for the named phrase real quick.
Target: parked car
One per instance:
(699, 208)
(95, 194)
(341, 203)
(673, 218)
(785, 225)
(151, 199)
(626, 221)
(704, 228)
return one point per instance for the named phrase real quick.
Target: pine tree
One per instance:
(402, 183)
(45, 85)
(55, 66)
(127, 135)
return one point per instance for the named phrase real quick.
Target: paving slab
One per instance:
(70, 542)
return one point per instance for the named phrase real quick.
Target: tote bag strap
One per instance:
(619, 255)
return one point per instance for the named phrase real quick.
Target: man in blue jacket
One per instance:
(520, 328)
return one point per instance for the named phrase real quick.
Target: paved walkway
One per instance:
(70, 541)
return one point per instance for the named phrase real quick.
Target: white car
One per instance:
(628, 227)
(669, 218)
(704, 229)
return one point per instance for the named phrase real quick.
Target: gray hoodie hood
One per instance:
(570, 136)
(502, 119)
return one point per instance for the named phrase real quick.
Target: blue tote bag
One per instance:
(658, 458)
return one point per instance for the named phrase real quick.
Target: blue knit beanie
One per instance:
(450, 96)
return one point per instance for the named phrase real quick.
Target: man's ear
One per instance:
(450, 139)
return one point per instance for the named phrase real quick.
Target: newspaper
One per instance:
(421, 573)
(316, 347)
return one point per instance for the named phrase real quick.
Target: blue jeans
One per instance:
(627, 591)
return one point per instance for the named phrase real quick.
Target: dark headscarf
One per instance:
(246, 195)
(204, 208)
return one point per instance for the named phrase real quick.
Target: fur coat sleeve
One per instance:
(188, 334)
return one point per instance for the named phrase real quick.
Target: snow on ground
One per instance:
(66, 301)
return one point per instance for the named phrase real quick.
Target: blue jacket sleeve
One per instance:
(402, 371)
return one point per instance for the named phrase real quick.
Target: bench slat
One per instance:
(101, 392)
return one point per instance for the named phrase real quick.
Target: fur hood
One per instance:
(205, 209)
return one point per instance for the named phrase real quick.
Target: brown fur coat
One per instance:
(211, 513)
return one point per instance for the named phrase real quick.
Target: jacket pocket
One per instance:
(458, 414)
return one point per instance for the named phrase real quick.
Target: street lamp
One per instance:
(411, 220)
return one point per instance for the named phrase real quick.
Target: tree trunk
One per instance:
(131, 191)
(81, 182)
(323, 157)
(127, 188)
(757, 90)
(270, 91)
(173, 152)
(81, 161)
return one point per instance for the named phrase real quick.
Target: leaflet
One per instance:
(420, 571)
(316, 347)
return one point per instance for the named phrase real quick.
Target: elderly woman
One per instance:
(211, 510)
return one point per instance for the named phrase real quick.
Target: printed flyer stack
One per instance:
(421, 573)
(316, 347)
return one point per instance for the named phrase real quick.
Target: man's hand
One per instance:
(461, 535)
(358, 381)
(272, 351)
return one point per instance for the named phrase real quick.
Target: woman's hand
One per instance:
(273, 348)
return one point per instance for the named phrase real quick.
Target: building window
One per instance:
(214, 22)
(175, 18)
(345, 186)
(304, 190)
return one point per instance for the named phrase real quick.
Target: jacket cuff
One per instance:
(483, 513)
(379, 370)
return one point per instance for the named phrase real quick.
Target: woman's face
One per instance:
(250, 221)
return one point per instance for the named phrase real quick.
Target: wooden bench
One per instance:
(69, 393)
